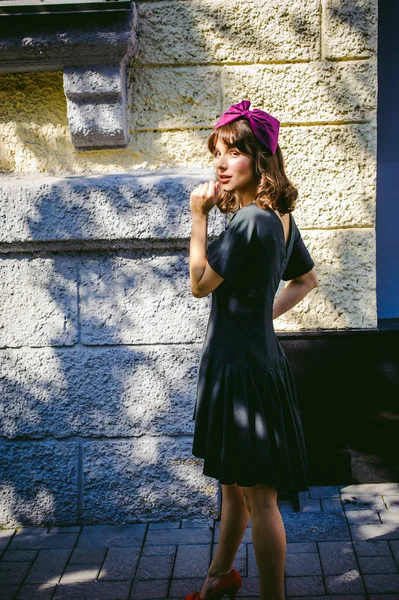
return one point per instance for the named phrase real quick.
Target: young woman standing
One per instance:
(248, 425)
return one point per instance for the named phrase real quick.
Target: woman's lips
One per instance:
(224, 178)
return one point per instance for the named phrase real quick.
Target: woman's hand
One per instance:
(204, 197)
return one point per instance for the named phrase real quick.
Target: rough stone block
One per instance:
(192, 561)
(372, 548)
(371, 489)
(143, 477)
(334, 170)
(337, 557)
(131, 207)
(377, 564)
(39, 484)
(111, 536)
(228, 31)
(41, 591)
(48, 566)
(38, 305)
(120, 564)
(305, 93)
(301, 564)
(100, 590)
(117, 391)
(349, 582)
(386, 583)
(316, 527)
(5, 537)
(385, 531)
(13, 572)
(346, 294)
(349, 28)
(155, 567)
(192, 98)
(36, 538)
(143, 299)
(310, 585)
(150, 590)
(361, 501)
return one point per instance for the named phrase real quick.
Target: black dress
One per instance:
(248, 426)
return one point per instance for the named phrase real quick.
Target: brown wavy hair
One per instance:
(274, 188)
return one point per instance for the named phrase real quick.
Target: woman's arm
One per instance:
(203, 279)
(294, 292)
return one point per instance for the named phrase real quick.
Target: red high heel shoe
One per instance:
(229, 584)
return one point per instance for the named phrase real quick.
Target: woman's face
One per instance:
(234, 169)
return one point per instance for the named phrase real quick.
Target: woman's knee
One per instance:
(260, 496)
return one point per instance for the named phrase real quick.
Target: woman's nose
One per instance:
(221, 162)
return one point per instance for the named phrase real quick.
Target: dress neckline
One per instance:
(286, 243)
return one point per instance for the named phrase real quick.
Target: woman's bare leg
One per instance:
(233, 523)
(269, 539)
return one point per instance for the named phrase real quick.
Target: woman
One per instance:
(248, 426)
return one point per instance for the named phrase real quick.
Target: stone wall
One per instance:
(99, 335)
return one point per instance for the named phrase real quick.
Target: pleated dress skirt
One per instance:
(248, 426)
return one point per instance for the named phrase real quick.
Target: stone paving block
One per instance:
(120, 564)
(331, 597)
(392, 501)
(159, 550)
(300, 564)
(301, 547)
(192, 561)
(179, 536)
(250, 587)
(80, 574)
(376, 489)
(196, 523)
(377, 564)
(92, 556)
(13, 572)
(40, 540)
(382, 597)
(372, 548)
(41, 475)
(387, 531)
(346, 583)
(19, 555)
(309, 505)
(299, 586)
(361, 502)
(389, 516)
(112, 536)
(337, 557)
(48, 566)
(285, 506)
(166, 525)
(387, 583)
(323, 491)
(155, 567)
(5, 537)
(394, 544)
(304, 494)
(331, 504)
(316, 526)
(99, 590)
(150, 590)
(8, 591)
(179, 588)
(362, 516)
(66, 529)
(36, 592)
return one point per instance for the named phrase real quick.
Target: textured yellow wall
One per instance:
(311, 63)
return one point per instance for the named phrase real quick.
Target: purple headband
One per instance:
(264, 126)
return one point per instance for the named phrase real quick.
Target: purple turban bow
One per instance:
(264, 126)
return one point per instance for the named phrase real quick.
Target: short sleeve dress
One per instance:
(248, 426)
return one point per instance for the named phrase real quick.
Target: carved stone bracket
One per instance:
(93, 45)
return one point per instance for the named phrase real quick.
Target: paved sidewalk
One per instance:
(343, 544)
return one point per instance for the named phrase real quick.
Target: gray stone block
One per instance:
(38, 304)
(13, 572)
(100, 590)
(309, 505)
(301, 564)
(179, 536)
(394, 544)
(36, 592)
(149, 550)
(301, 547)
(372, 547)
(387, 583)
(147, 476)
(370, 489)
(346, 583)
(179, 588)
(362, 501)
(39, 485)
(140, 299)
(111, 536)
(89, 557)
(48, 566)
(150, 590)
(316, 526)
(19, 555)
(165, 525)
(390, 515)
(5, 538)
(386, 531)
(337, 557)
(324, 491)
(362, 516)
(117, 391)
(120, 564)
(131, 208)
(331, 504)
(301, 586)
(377, 564)
(192, 561)
(155, 567)
(37, 539)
